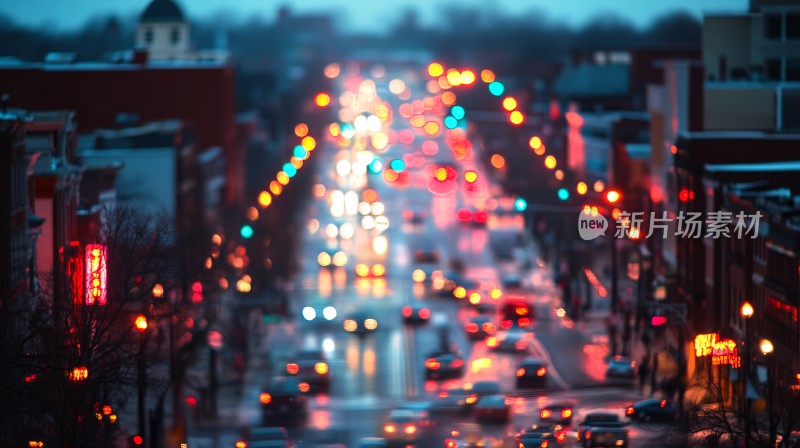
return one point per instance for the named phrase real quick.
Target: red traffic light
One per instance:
(613, 196)
(658, 321)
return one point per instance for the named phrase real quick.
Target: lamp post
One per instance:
(766, 349)
(746, 312)
(141, 378)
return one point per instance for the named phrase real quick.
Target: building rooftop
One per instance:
(162, 11)
(590, 80)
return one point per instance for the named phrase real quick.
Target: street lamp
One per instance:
(140, 323)
(766, 349)
(746, 312)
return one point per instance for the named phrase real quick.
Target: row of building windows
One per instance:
(774, 26)
(174, 35)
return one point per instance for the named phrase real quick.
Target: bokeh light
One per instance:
(498, 161)
(301, 130)
(435, 70)
(509, 103)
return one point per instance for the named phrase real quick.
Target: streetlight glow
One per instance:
(766, 346)
(747, 310)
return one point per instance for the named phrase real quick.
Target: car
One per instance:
(652, 409)
(444, 365)
(270, 436)
(426, 274)
(553, 433)
(361, 323)
(402, 425)
(513, 341)
(621, 368)
(311, 370)
(557, 413)
(474, 217)
(484, 388)
(480, 327)
(598, 419)
(331, 258)
(416, 314)
(531, 373)
(467, 435)
(536, 439)
(374, 270)
(493, 408)
(414, 215)
(372, 442)
(603, 436)
(455, 400)
(283, 403)
(320, 312)
(426, 256)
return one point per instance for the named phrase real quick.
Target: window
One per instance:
(773, 69)
(148, 35)
(793, 25)
(175, 35)
(792, 69)
(772, 26)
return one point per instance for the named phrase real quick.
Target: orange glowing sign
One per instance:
(722, 351)
(95, 275)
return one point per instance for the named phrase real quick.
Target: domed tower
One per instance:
(164, 31)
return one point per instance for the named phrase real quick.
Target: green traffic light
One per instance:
(246, 232)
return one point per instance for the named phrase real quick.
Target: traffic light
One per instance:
(246, 232)
(657, 321)
(613, 196)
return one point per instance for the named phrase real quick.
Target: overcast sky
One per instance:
(360, 15)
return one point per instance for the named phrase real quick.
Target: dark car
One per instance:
(484, 388)
(552, 433)
(510, 341)
(282, 402)
(456, 400)
(480, 327)
(444, 365)
(652, 409)
(416, 314)
(598, 419)
(361, 323)
(536, 440)
(531, 373)
(597, 437)
(493, 408)
(311, 368)
(621, 368)
(557, 413)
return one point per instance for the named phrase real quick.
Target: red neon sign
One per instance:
(95, 274)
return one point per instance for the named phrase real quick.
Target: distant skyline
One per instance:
(362, 15)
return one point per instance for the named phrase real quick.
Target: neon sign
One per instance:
(722, 351)
(95, 275)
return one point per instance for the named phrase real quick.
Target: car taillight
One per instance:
(545, 413)
(241, 444)
(520, 372)
(506, 324)
(489, 328)
(443, 394)
(390, 429)
(410, 429)
(464, 215)
(544, 444)
(321, 368)
(541, 371)
(424, 314)
(472, 327)
(588, 434)
(491, 341)
(457, 363)
(265, 398)
(566, 413)
(520, 445)
(561, 436)
(629, 410)
(407, 311)
(524, 321)
(450, 443)
(520, 345)
(480, 217)
(432, 364)
(471, 399)
(292, 368)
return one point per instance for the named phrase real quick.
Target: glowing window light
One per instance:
(301, 130)
(457, 112)
(282, 178)
(496, 88)
(95, 274)
(264, 199)
(509, 103)
(498, 161)
(435, 70)
(487, 76)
